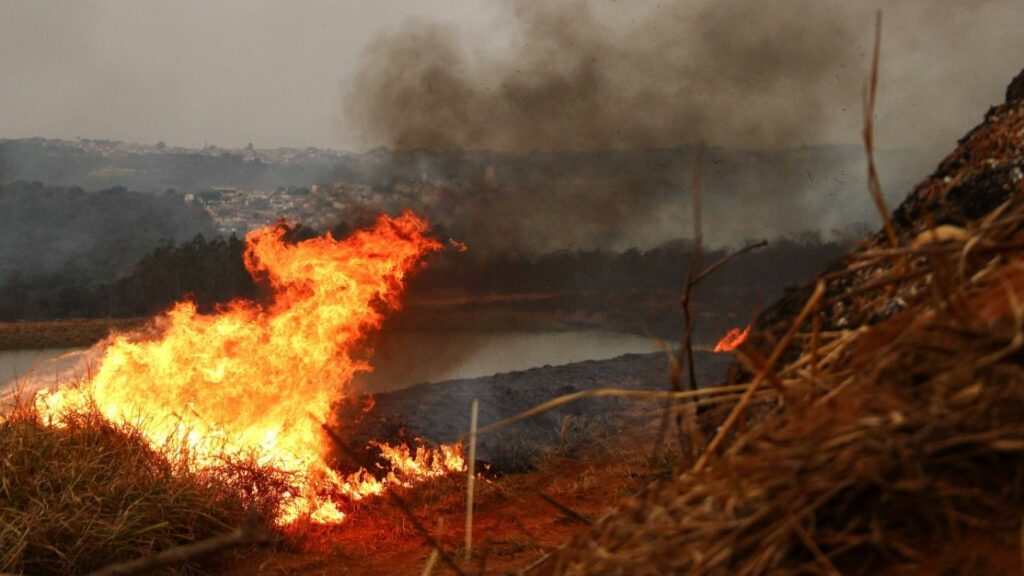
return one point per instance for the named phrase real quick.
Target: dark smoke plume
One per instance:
(593, 114)
(735, 72)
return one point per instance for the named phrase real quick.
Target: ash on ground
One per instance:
(440, 412)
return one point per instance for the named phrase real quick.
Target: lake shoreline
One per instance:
(71, 333)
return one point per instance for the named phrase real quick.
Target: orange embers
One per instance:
(732, 340)
(258, 380)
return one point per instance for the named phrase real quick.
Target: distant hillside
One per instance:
(98, 164)
(534, 202)
(84, 236)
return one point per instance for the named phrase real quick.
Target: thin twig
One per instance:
(693, 278)
(811, 545)
(536, 563)
(870, 93)
(248, 534)
(780, 348)
(728, 258)
(609, 393)
(428, 568)
(695, 265)
(564, 509)
(473, 413)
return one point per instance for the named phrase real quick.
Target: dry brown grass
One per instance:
(915, 439)
(892, 440)
(76, 498)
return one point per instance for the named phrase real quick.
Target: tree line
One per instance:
(210, 271)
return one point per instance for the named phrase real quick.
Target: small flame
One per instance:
(732, 340)
(258, 379)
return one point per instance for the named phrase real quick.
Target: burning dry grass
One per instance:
(90, 493)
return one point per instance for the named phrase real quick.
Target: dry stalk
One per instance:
(536, 563)
(695, 264)
(686, 420)
(470, 466)
(780, 348)
(870, 93)
(810, 544)
(178, 555)
(428, 568)
(815, 346)
(568, 511)
(686, 352)
(609, 393)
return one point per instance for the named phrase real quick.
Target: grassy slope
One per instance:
(892, 442)
(78, 497)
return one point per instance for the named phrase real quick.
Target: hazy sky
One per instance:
(274, 72)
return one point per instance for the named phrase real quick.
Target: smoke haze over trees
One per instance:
(758, 81)
(99, 164)
(70, 239)
(572, 132)
(534, 202)
(211, 272)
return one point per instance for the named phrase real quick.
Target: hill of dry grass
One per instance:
(889, 403)
(81, 496)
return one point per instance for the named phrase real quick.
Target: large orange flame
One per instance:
(260, 380)
(732, 340)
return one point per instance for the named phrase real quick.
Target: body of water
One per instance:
(400, 360)
(19, 365)
(405, 359)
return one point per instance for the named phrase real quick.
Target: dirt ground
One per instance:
(514, 526)
(439, 412)
(589, 457)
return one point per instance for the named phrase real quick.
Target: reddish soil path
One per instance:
(513, 525)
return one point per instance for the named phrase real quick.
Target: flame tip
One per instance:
(733, 339)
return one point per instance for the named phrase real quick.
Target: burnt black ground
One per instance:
(440, 412)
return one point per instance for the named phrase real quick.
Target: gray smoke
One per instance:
(581, 77)
(744, 72)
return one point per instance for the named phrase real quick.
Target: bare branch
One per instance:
(470, 465)
(726, 259)
(564, 509)
(178, 555)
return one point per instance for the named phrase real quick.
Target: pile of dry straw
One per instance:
(889, 402)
